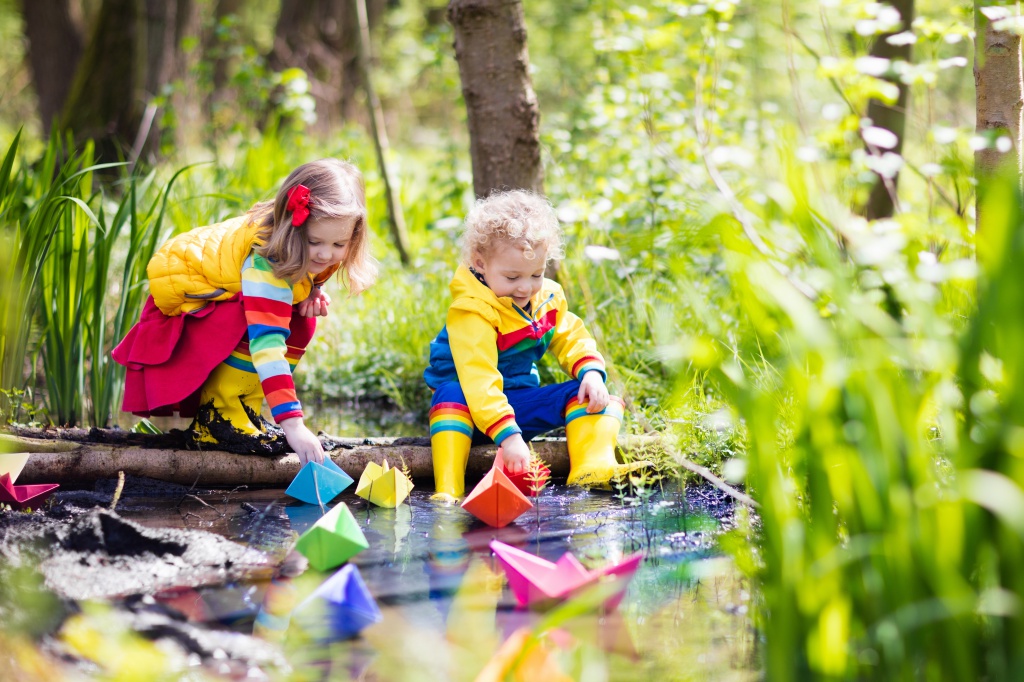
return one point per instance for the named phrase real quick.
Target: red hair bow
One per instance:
(298, 204)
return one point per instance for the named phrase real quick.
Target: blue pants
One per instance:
(538, 410)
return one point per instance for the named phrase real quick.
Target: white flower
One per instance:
(887, 165)
(600, 253)
(944, 135)
(880, 137)
(905, 38)
(952, 61)
(871, 66)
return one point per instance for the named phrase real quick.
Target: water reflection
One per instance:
(430, 569)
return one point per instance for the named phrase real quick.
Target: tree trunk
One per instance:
(103, 104)
(501, 107)
(83, 463)
(185, 98)
(308, 36)
(882, 200)
(215, 54)
(997, 81)
(54, 49)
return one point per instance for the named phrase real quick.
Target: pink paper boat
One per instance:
(535, 581)
(22, 496)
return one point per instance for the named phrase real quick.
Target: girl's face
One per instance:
(328, 240)
(509, 273)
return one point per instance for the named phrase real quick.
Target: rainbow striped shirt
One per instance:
(267, 301)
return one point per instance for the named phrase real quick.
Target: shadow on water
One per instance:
(431, 571)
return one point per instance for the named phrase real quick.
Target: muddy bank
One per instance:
(76, 550)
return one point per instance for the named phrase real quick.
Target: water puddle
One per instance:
(431, 571)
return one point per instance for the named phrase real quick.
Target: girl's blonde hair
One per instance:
(335, 191)
(515, 217)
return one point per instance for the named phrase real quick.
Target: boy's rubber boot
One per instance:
(234, 396)
(591, 441)
(450, 452)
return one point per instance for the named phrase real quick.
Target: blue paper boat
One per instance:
(348, 607)
(318, 483)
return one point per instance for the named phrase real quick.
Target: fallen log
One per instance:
(80, 464)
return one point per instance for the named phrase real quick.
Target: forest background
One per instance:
(770, 211)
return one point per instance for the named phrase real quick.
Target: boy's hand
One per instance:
(592, 389)
(315, 304)
(302, 441)
(515, 453)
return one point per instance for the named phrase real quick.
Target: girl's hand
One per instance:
(515, 453)
(316, 304)
(302, 441)
(592, 388)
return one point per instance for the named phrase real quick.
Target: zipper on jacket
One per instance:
(532, 319)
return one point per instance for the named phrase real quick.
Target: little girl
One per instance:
(503, 317)
(233, 306)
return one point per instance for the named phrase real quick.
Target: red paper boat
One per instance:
(527, 482)
(22, 496)
(537, 581)
(495, 500)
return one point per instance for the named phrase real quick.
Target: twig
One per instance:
(117, 490)
(205, 503)
(706, 474)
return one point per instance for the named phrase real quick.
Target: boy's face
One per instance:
(510, 273)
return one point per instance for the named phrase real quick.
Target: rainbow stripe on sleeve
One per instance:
(503, 428)
(585, 364)
(267, 301)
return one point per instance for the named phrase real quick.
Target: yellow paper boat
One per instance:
(382, 485)
(12, 464)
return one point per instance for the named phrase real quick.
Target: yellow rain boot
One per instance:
(450, 451)
(591, 439)
(451, 435)
(229, 395)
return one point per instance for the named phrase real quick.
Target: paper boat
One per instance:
(318, 483)
(11, 463)
(535, 581)
(23, 496)
(383, 485)
(495, 500)
(332, 540)
(350, 607)
(528, 482)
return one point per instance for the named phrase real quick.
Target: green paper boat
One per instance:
(332, 540)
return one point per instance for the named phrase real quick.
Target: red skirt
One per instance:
(169, 358)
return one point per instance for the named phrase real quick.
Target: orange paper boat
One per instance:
(22, 496)
(495, 500)
(537, 581)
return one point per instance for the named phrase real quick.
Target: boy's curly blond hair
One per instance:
(515, 217)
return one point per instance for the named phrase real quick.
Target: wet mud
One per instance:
(77, 550)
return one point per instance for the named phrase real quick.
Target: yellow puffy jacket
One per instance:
(205, 264)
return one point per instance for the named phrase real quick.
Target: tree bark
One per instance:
(501, 107)
(213, 53)
(883, 197)
(102, 104)
(308, 36)
(76, 463)
(54, 50)
(997, 81)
